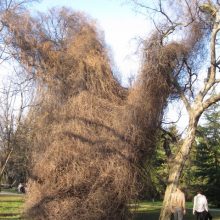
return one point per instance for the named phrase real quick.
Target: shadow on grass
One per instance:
(10, 216)
(151, 215)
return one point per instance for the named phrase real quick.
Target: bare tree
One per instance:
(194, 25)
(15, 97)
(11, 117)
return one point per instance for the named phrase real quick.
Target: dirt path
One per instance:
(9, 193)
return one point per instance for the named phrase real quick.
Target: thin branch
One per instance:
(189, 9)
(212, 70)
(181, 94)
(5, 162)
(163, 13)
(21, 108)
(173, 122)
(189, 84)
(160, 10)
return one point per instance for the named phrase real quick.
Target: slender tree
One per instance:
(15, 97)
(10, 115)
(176, 21)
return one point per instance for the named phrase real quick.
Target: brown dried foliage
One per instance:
(91, 134)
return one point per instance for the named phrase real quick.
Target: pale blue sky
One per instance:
(120, 24)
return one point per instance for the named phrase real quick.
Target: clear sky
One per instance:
(121, 25)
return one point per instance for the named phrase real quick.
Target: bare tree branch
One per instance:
(211, 75)
(210, 101)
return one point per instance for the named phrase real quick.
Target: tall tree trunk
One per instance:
(176, 167)
(4, 166)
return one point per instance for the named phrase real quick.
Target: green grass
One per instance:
(151, 210)
(11, 206)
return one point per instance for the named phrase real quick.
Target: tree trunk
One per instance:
(176, 167)
(4, 166)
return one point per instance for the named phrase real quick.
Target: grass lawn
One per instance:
(10, 206)
(150, 211)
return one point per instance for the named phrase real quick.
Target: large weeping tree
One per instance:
(196, 83)
(92, 136)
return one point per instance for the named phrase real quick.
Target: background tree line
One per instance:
(202, 170)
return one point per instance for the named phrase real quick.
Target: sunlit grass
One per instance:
(11, 209)
(150, 210)
(11, 206)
